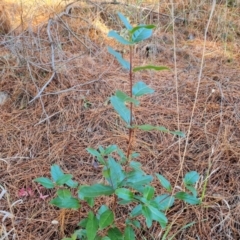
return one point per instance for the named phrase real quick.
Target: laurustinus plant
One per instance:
(125, 181)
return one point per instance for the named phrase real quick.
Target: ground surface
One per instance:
(73, 111)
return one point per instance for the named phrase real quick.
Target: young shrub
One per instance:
(125, 181)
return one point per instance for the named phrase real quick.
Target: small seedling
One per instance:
(126, 182)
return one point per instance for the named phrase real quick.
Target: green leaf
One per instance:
(140, 88)
(145, 127)
(90, 201)
(106, 219)
(148, 192)
(148, 216)
(137, 180)
(116, 173)
(46, 182)
(56, 172)
(121, 109)
(141, 26)
(158, 216)
(135, 165)
(125, 64)
(136, 223)
(141, 33)
(101, 210)
(83, 223)
(125, 98)
(64, 193)
(129, 233)
(149, 127)
(94, 191)
(187, 198)
(125, 21)
(64, 179)
(151, 67)
(110, 149)
(119, 38)
(191, 178)
(101, 149)
(164, 202)
(72, 184)
(93, 152)
(178, 133)
(165, 183)
(69, 203)
(106, 238)
(92, 226)
(135, 155)
(124, 193)
(115, 234)
(192, 190)
(136, 211)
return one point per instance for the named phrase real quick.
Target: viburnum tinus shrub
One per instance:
(126, 182)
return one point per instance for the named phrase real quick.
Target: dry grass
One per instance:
(68, 51)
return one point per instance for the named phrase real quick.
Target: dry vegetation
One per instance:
(56, 76)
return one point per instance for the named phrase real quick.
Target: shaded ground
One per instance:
(73, 113)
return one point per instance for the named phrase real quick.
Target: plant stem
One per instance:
(131, 105)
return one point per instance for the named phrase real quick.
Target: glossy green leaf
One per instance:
(187, 198)
(101, 210)
(83, 223)
(121, 109)
(125, 98)
(135, 165)
(95, 190)
(192, 190)
(116, 173)
(72, 184)
(165, 183)
(151, 26)
(148, 216)
(141, 33)
(115, 234)
(125, 21)
(69, 203)
(46, 182)
(125, 64)
(124, 194)
(158, 216)
(191, 178)
(149, 127)
(64, 193)
(150, 67)
(56, 172)
(106, 219)
(93, 152)
(110, 149)
(140, 88)
(90, 201)
(119, 38)
(64, 179)
(137, 178)
(136, 223)
(164, 202)
(148, 192)
(92, 226)
(129, 233)
(136, 211)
